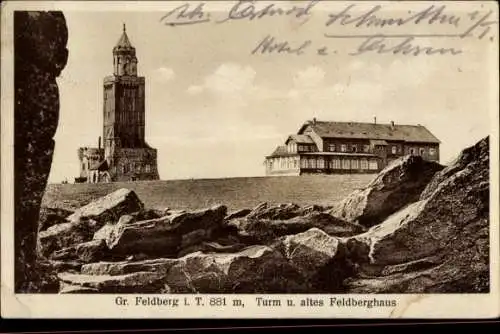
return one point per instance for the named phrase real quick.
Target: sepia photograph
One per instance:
(334, 152)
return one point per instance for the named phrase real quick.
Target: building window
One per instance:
(373, 165)
(394, 149)
(148, 167)
(336, 163)
(366, 148)
(303, 163)
(422, 151)
(354, 164)
(312, 163)
(364, 164)
(83, 166)
(354, 148)
(295, 163)
(432, 151)
(321, 163)
(412, 151)
(346, 164)
(343, 148)
(331, 147)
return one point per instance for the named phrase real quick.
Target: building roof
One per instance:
(124, 42)
(281, 151)
(300, 139)
(354, 130)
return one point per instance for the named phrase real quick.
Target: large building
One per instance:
(349, 147)
(124, 155)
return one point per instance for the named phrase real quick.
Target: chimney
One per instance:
(314, 120)
(375, 120)
(99, 145)
(392, 125)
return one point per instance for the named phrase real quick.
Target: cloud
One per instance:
(310, 77)
(230, 78)
(164, 74)
(195, 89)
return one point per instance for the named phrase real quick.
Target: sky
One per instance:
(214, 110)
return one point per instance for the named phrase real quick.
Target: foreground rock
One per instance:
(163, 236)
(259, 230)
(110, 207)
(438, 244)
(257, 269)
(318, 257)
(52, 216)
(396, 186)
(84, 222)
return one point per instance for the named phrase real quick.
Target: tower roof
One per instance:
(124, 42)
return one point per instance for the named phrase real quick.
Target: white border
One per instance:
(103, 306)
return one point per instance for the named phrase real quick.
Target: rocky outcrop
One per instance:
(52, 216)
(40, 54)
(437, 244)
(65, 235)
(164, 236)
(262, 230)
(85, 252)
(257, 269)
(80, 226)
(437, 241)
(398, 185)
(110, 207)
(318, 257)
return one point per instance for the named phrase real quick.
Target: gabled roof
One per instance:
(354, 130)
(300, 139)
(281, 151)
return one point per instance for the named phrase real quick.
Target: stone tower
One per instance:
(125, 155)
(124, 104)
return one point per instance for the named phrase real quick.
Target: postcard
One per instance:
(250, 159)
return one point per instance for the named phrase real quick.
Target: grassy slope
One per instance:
(235, 193)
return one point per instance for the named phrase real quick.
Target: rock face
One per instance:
(256, 269)
(164, 236)
(40, 54)
(110, 207)
(437, 244)
(263, 230)
(52, 216)
(398, 185)
(434, 239)
(81, 225)
(318, 257)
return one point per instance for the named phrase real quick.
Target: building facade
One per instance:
(124, 155)
(348, 147)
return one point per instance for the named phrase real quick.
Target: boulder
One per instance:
(164, 236)
(160, 265)
(318, 257)
(280, 211)
(110, 207)
(398, 185)
(65, 235)
(137, 282)
(86, 252)
(211, 247)
(238, 214)
(449, 225)
(257, 269)
(266, 230)
(52, 216)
